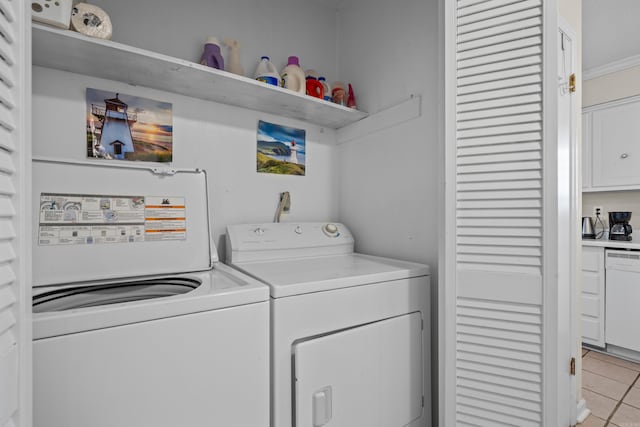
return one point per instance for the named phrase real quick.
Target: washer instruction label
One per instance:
(79, 219)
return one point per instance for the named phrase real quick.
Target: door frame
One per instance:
(447, 235)
(578, 410)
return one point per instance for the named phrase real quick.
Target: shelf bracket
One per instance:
(384, 119)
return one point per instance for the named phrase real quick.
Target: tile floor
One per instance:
(611, 387)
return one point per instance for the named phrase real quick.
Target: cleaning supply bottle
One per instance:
(212, 57)
(326, 90)
(314, 87)
(337, 93)
(351, 100)
(293, 77)
(311, 73)
(233, 64)
(267, 73)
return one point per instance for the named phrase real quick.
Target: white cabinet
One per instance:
(593, 315)
(611, 148)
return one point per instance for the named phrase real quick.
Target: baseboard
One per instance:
(583, 412)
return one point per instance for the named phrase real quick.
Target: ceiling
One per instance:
(610, 31)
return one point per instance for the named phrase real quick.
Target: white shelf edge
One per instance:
(384, 119)
(611, 188)
(73, 52)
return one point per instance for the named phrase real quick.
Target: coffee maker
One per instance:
(619, 227)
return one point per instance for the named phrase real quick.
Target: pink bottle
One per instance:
(351, 100)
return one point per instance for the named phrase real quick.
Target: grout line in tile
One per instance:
(620, 401)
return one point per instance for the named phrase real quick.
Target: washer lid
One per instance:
(64, 298)
(297, 276)
(105, 220)
(220, 288)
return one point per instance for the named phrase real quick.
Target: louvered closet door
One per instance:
(14, 160)
(499, 201)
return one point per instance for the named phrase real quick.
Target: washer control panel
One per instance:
(295, 239)
(331, 230)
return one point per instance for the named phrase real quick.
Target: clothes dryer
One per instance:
(350, 341)
(135, 321)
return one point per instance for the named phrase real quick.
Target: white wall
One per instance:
(218, 138)
(613, 201)
(277, 28)
(207, 135)
(389, 180)
(612, 86)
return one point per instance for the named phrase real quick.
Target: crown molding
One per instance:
(612, 67)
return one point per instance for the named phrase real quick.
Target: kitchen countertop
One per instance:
(616, 244)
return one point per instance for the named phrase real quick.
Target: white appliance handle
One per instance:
(322, 411)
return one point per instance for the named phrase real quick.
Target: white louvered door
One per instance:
(497, 354)
(15, 329)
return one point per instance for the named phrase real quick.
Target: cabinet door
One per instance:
(587, 151)
(593, 314)
(616, 145)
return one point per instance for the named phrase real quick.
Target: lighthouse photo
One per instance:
(281, 149)
(126, 127)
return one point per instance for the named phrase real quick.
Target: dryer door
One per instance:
(366, 376)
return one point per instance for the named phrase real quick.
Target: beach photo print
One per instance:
(126, 127)
(281, 149)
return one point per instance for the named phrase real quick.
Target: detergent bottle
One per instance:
(293, 77)
(267, 73)
(314, 87)
(212, 57)
(326, 90)
(233, 65)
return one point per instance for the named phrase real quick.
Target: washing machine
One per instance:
(135, 321)
(350, 339)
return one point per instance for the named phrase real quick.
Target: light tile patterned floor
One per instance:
(611, 387)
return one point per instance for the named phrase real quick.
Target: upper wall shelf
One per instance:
(76, 53)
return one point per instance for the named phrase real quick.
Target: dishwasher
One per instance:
(622, 298)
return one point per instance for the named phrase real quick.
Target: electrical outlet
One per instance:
(597, 210)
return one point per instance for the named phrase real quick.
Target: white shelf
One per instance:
(76, 53)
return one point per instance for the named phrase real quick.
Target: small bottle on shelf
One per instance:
(326, 90)
(351, 100)
(337, 93)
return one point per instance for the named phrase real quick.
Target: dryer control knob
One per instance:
(259, 231)
(331, 230)
(298, 230)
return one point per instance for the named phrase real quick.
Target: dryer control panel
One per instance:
(264, 241)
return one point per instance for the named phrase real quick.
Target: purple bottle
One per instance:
(211, 57)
